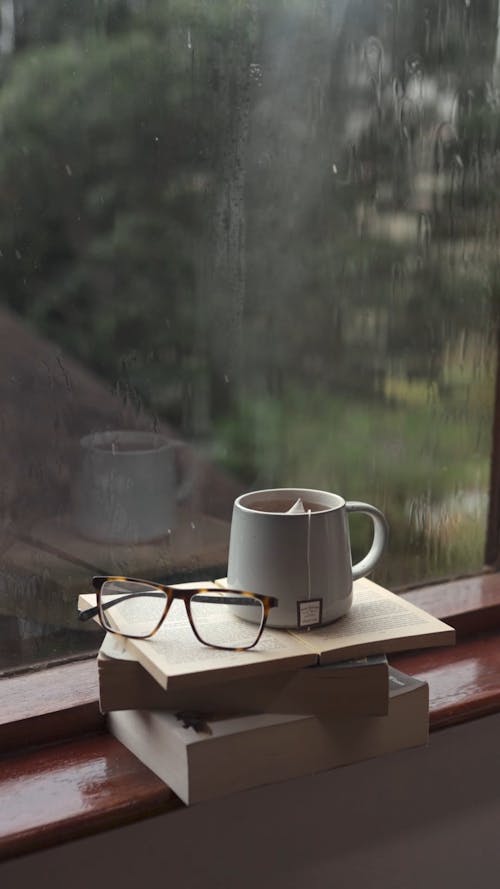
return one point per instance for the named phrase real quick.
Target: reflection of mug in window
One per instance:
(127, 487)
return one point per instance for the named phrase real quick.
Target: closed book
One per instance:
(358, 686)
(203, 759)
(379, 622)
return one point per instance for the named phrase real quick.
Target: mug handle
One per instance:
(184, 484)
(380, 536)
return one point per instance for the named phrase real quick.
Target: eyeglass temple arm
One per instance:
(94, 609)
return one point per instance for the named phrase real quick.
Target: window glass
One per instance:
(266, 232)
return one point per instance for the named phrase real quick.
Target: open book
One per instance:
(379, 622)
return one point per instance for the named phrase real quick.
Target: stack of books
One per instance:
(211, 722)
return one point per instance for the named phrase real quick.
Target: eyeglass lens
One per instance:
(131, 608)
(225, 619)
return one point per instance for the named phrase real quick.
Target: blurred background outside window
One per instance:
(268, 231)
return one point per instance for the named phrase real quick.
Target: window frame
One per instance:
(492, 545)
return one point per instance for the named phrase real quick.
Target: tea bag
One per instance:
(297, 508)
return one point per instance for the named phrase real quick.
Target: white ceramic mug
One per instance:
(127, 488)
(303, 558)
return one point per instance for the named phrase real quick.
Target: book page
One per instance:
(176, 658)
(378, 621)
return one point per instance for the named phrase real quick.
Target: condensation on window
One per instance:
(241, 246)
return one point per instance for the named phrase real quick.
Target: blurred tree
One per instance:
(122, 164)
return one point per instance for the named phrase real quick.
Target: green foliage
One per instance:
(102, 199)
(408, 460)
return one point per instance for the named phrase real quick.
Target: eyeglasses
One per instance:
(221, 618)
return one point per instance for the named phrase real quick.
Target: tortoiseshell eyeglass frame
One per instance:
(171, 593)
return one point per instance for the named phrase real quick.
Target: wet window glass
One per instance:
(242, 245)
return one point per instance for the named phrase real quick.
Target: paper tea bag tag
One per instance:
(309, 613)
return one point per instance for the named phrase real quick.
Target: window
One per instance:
(268, 231)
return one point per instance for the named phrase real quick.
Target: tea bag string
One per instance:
(298, 509)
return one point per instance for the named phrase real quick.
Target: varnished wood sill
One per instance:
(56, 751)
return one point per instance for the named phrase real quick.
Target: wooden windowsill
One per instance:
(56, 750)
